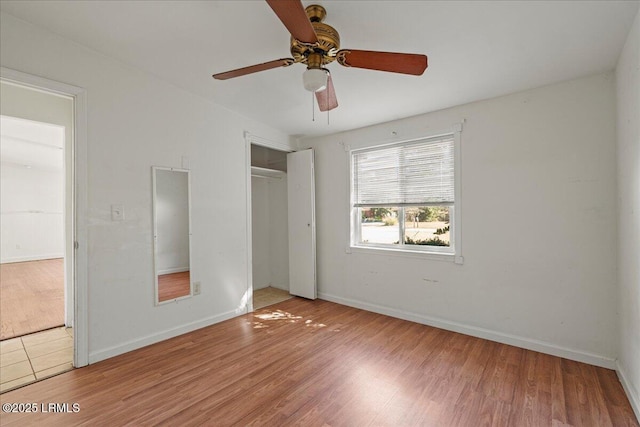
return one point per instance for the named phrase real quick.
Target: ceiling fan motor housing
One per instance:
(328, 39)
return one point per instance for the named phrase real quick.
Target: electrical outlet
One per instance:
(196, 288)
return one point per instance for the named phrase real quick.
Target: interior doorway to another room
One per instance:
(36, 265)
(269, 226)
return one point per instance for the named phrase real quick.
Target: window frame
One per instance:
(454, 251)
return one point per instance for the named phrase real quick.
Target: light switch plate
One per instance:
(196, 288)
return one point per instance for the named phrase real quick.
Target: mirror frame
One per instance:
(154, 204)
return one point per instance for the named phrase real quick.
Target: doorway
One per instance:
(36, 265)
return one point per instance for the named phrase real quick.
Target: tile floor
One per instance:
(268, 296)
(33, 357)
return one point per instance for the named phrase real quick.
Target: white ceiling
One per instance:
(476, 50)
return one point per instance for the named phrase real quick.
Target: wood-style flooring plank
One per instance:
(31, 297)
(173, 285)
(304, 362)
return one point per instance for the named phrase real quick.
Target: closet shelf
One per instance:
(267, 173)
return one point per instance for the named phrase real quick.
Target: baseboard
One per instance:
(30, 258)
(514, 340)
(280, 286)
(173, 270)
(632, 393)
(160, 336)
(271, 285)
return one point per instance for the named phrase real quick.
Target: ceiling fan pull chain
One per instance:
(313, 107)
(328, 117)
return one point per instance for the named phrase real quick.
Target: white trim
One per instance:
(173, 270)
(79, 254)
(517, 341)
(38, 83)
(632, 393)
(81, 322)
(457, 186)
(400, 138)
(431, 138)
(264, 142)
(408, 253)
(314, 245)
(31, 258)
(158, 337)
(280, 286)
(249, 227)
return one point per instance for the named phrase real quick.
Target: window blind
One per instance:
(416, 173)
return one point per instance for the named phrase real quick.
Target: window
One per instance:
(404, 196)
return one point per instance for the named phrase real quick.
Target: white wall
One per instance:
(136, 121)
(628, 103)
(538, 224)
(279, 233)
(32, 213)
(270, 238)
(260, 232)
(172, 221)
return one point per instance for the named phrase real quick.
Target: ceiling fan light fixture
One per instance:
(315, 79)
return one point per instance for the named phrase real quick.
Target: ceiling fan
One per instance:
(317, 44)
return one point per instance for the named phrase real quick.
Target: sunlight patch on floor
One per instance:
(282, 316)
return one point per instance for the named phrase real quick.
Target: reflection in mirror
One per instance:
(171, 233)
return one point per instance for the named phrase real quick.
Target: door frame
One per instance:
(76, 253)
(251, 139)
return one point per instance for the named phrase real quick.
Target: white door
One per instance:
(302, 224)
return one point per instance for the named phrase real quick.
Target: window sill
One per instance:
(436, 256)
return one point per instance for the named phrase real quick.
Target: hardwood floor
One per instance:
(315, 363)
(174, 285)
(32, 297)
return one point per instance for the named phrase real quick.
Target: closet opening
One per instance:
(269, 226)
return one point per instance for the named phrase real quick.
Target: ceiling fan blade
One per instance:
(293, 16)
(327, 98)
(405, 63)
(284, 62)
